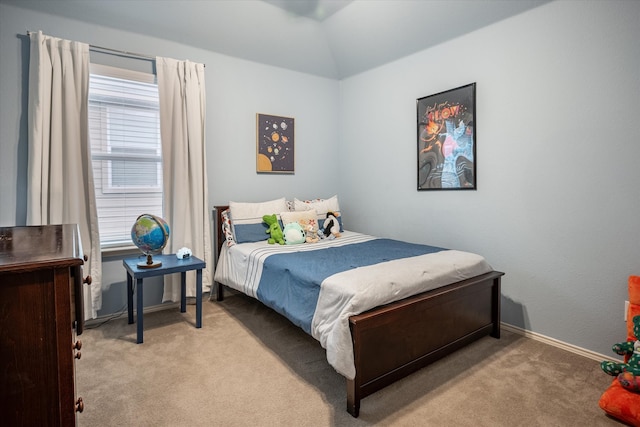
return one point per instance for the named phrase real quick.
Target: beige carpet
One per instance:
(248, 366)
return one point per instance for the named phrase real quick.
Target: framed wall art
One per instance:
(275, 147)
(447, 140)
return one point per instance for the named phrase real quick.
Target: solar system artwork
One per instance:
(275, 144)
(447, 140)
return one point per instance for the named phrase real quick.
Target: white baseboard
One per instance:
(150, 309)
(124, 313)
(516, 330)
(557, 343)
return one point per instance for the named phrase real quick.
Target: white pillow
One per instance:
(246, 219)
(289, 217)
(321, 206)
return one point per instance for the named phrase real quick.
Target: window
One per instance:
(124, 128)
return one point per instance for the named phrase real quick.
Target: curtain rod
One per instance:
(116, 51)
(121, 52)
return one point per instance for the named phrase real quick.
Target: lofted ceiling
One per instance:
(330, 38)
(314, 9)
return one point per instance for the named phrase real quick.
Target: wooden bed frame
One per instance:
(394, 340)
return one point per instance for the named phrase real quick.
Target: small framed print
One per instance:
(447, 140)
(275, 144)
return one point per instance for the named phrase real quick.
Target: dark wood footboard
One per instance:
(392, 341)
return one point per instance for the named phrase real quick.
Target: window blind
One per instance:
(124, 129)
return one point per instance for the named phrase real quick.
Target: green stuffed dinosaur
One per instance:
(274, 229)
(628, 373)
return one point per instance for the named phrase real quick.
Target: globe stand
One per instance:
(150, 263)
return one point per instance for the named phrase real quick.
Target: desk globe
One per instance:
(150, 234)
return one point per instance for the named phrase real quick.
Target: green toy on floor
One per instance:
(628, 373)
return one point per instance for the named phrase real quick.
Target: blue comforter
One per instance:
(290, 282)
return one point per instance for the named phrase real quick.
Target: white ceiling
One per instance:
(314, 9)
(329, 38)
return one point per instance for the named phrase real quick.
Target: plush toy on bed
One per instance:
(274, 229)
(331, 226)
(310, 227)
(293, 234)
(628, 373)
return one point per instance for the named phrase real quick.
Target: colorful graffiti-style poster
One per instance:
(447, 140)
(275, 144)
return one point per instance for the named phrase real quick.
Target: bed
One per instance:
(394, 334)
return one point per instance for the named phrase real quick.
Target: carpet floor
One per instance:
(248, 366)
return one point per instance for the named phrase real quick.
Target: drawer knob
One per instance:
(78, 355)
(88, 280)
(79, 405)
(77, 345)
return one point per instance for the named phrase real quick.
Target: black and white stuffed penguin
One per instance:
(331, 226)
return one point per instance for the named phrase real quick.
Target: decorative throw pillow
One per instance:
(246, 219)
(290, 206)
(226, 228)
(321, 206)
(289, 217)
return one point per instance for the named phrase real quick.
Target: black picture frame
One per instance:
(446, 140)
(275, 144)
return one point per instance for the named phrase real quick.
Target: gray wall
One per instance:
(557, 201)
(236, 91)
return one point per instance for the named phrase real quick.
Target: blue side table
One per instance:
(170, 264)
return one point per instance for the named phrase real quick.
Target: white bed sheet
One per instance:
(351, 292)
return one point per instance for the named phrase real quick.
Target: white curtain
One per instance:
(181, 91)
(60, 179)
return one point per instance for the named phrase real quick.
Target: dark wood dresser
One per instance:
(41, 312)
